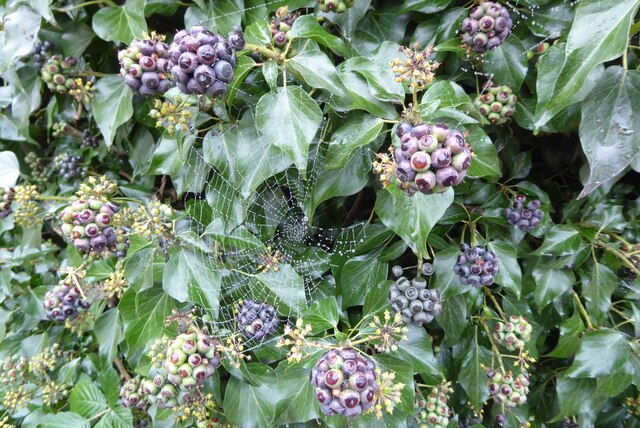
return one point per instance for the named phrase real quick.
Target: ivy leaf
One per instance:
(112, 106)
(358, 130)
(575, 397)
(357, 275)
(601, 353)
(412, 217)
(144, 314)
(473, 378)
(590, 42)
(597, 287)
(20, 26)
(9, 169)
(318, 71)
(550, 283)
(188, 276)
(251, 406)
(307, 27)
(322, 314)
(289, 119)
(485, 162)
(86, 399)
(417, 350)
(570, 332)
(609, 129)
(242, 156)
(117, 417)
(560, 240)
(121, 23)
(510, 276)
(508, 63)
(109, 332)
(297, 397)
(287, 287)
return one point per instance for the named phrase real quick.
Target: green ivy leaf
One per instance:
(19, 33)
(357, 275)
(64, 420)
(287, 287)
(560, 240)
(112, 106)
(297, 401)
(453, 319)
(485, 162)
(308, 27)
(358, 130)
(589, 43)
(289, 119)
(417, 350)
(412, 217)
(598, 285)
(510, 276)
(191, 277)
(473, 378)
(570, 332)
(251, 406)
(243, 156)
(109, 332)
(118, 417)
(551, 283)
(575, 396)
(144, 315)
(318, 71)
(609, 129)
(322, 314)
(507, 64)
(121, 23)
(86, 399)
(601, 353)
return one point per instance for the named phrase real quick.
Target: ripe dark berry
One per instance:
(527, 218)
(414, 301)
(141, 64)
(257, 320)
(487, 25)
(476, 266)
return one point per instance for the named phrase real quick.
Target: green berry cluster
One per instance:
(337, 6)
(13, 369)
(27, 213)
(130, 395)
(513, 334)
(40, 173)
(6, 197)
(434, 411)
(58, 73)
(497, 103)
(190, 359)
(508, 389)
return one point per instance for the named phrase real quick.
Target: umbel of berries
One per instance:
(156, 390)
(87, 224)
(433, 412)
(58, 72)
(345, 381)
(487, 25)
(524, 217)
(64, 302)
(130, 395)
(508, 389)
(412, 299)
(431, 158)
(281, 24)
(337, 6)
(69, 166)
(190, 359)
(497, 103)
(203, 62)
(514, 333)
(476, 266)
(40, 52)
(257, 320)
(144, 65)
(6, 197)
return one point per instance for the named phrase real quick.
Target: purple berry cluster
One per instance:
(190, 359)
(41, 51)
(337, 6)
(144, 65)
(257, 320)
(87, 224)
(203, 62)
(69, 166)
(487, 25)
(64, 302)
(524, 217)
(476, 266)
(431, 158)
(346, 382)
(6, 197)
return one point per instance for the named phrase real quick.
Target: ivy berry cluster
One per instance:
(6, 197)
(144, 65)
(476, 266)
(412, 299)
(497, 103)
(486, 27)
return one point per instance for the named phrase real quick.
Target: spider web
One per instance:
(249, 203)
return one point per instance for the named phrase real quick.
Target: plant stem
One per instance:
(54, 198)
(494, 347)
(265, 52)
(582, 310)
(495, 303)
(78, 6)
(123, 372)
(618, 255)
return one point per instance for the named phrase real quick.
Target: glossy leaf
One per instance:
(112, 106)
